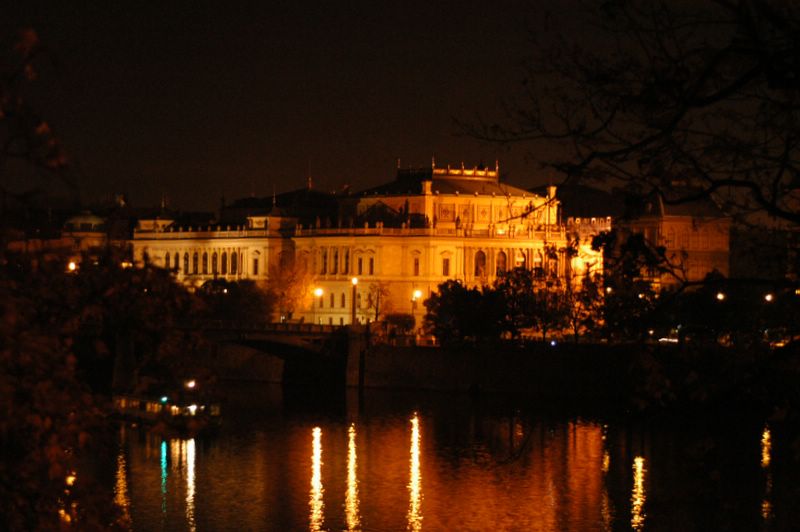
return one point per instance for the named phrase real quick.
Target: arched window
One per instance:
(205, 263)
(214, 263)
(224, 263)
(501, 263)
(233, 263)
(521, 259)
(186, 263)
(195, 261)
(177, 262)
(480, 264)
(166, 261)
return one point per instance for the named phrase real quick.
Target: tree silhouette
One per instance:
(705, 94)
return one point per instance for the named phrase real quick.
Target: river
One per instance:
(449, 462)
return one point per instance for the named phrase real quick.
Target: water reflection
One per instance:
(164, 477)
(638, 496)
(189, 454)
(766, 459)
(121, 497)
(351, 497)
(415, 480)
(315, 502)
(485, 467)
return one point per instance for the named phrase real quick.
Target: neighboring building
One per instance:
(695, 235)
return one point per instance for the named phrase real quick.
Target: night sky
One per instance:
(197, 100)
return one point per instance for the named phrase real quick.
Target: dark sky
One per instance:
(197, 100)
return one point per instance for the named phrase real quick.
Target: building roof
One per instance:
(477, 180)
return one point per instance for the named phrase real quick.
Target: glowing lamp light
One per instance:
(641, 295)
(164, 398)
(720, 296)
(224, 290)
(553, 343)
(191, 384)
(768, 298)
(318, 292)
(608, 290)
(354, 280)
(416, 295)
(192, 409)
(72, 266)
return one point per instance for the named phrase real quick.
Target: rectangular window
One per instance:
(371, 266)
(333, 300)
(255, 266)
(416, 266)
(346, 267)
(360, 266)
(342, 300)
(324, 268)
(446, 267)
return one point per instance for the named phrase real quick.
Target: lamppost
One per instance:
(318, 303)
(354, 280)
(415, 296)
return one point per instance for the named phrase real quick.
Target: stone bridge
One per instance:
(304, 354)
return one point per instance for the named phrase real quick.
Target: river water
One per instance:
(448, 462)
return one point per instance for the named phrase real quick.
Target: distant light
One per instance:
(553, 343)
(164, 398)
(416, 295)
(650, 332)
(608, 290)
(191, 383)
(72, 266)
(126, 264)
(70, 480)
(768, 298)
(720, 296)
(354, 280)
(318, 292)
(192, 409)
(641, 295)
(224, 290)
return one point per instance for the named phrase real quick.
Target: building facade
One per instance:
(398, 241)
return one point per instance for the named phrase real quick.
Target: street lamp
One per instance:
(768, 298)
(415, 296)
(720, 296)
(318, 293)
(354, 280)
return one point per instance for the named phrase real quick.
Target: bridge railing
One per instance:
(263, 326)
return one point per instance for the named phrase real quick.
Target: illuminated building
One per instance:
(399, 239)
(695, 235)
